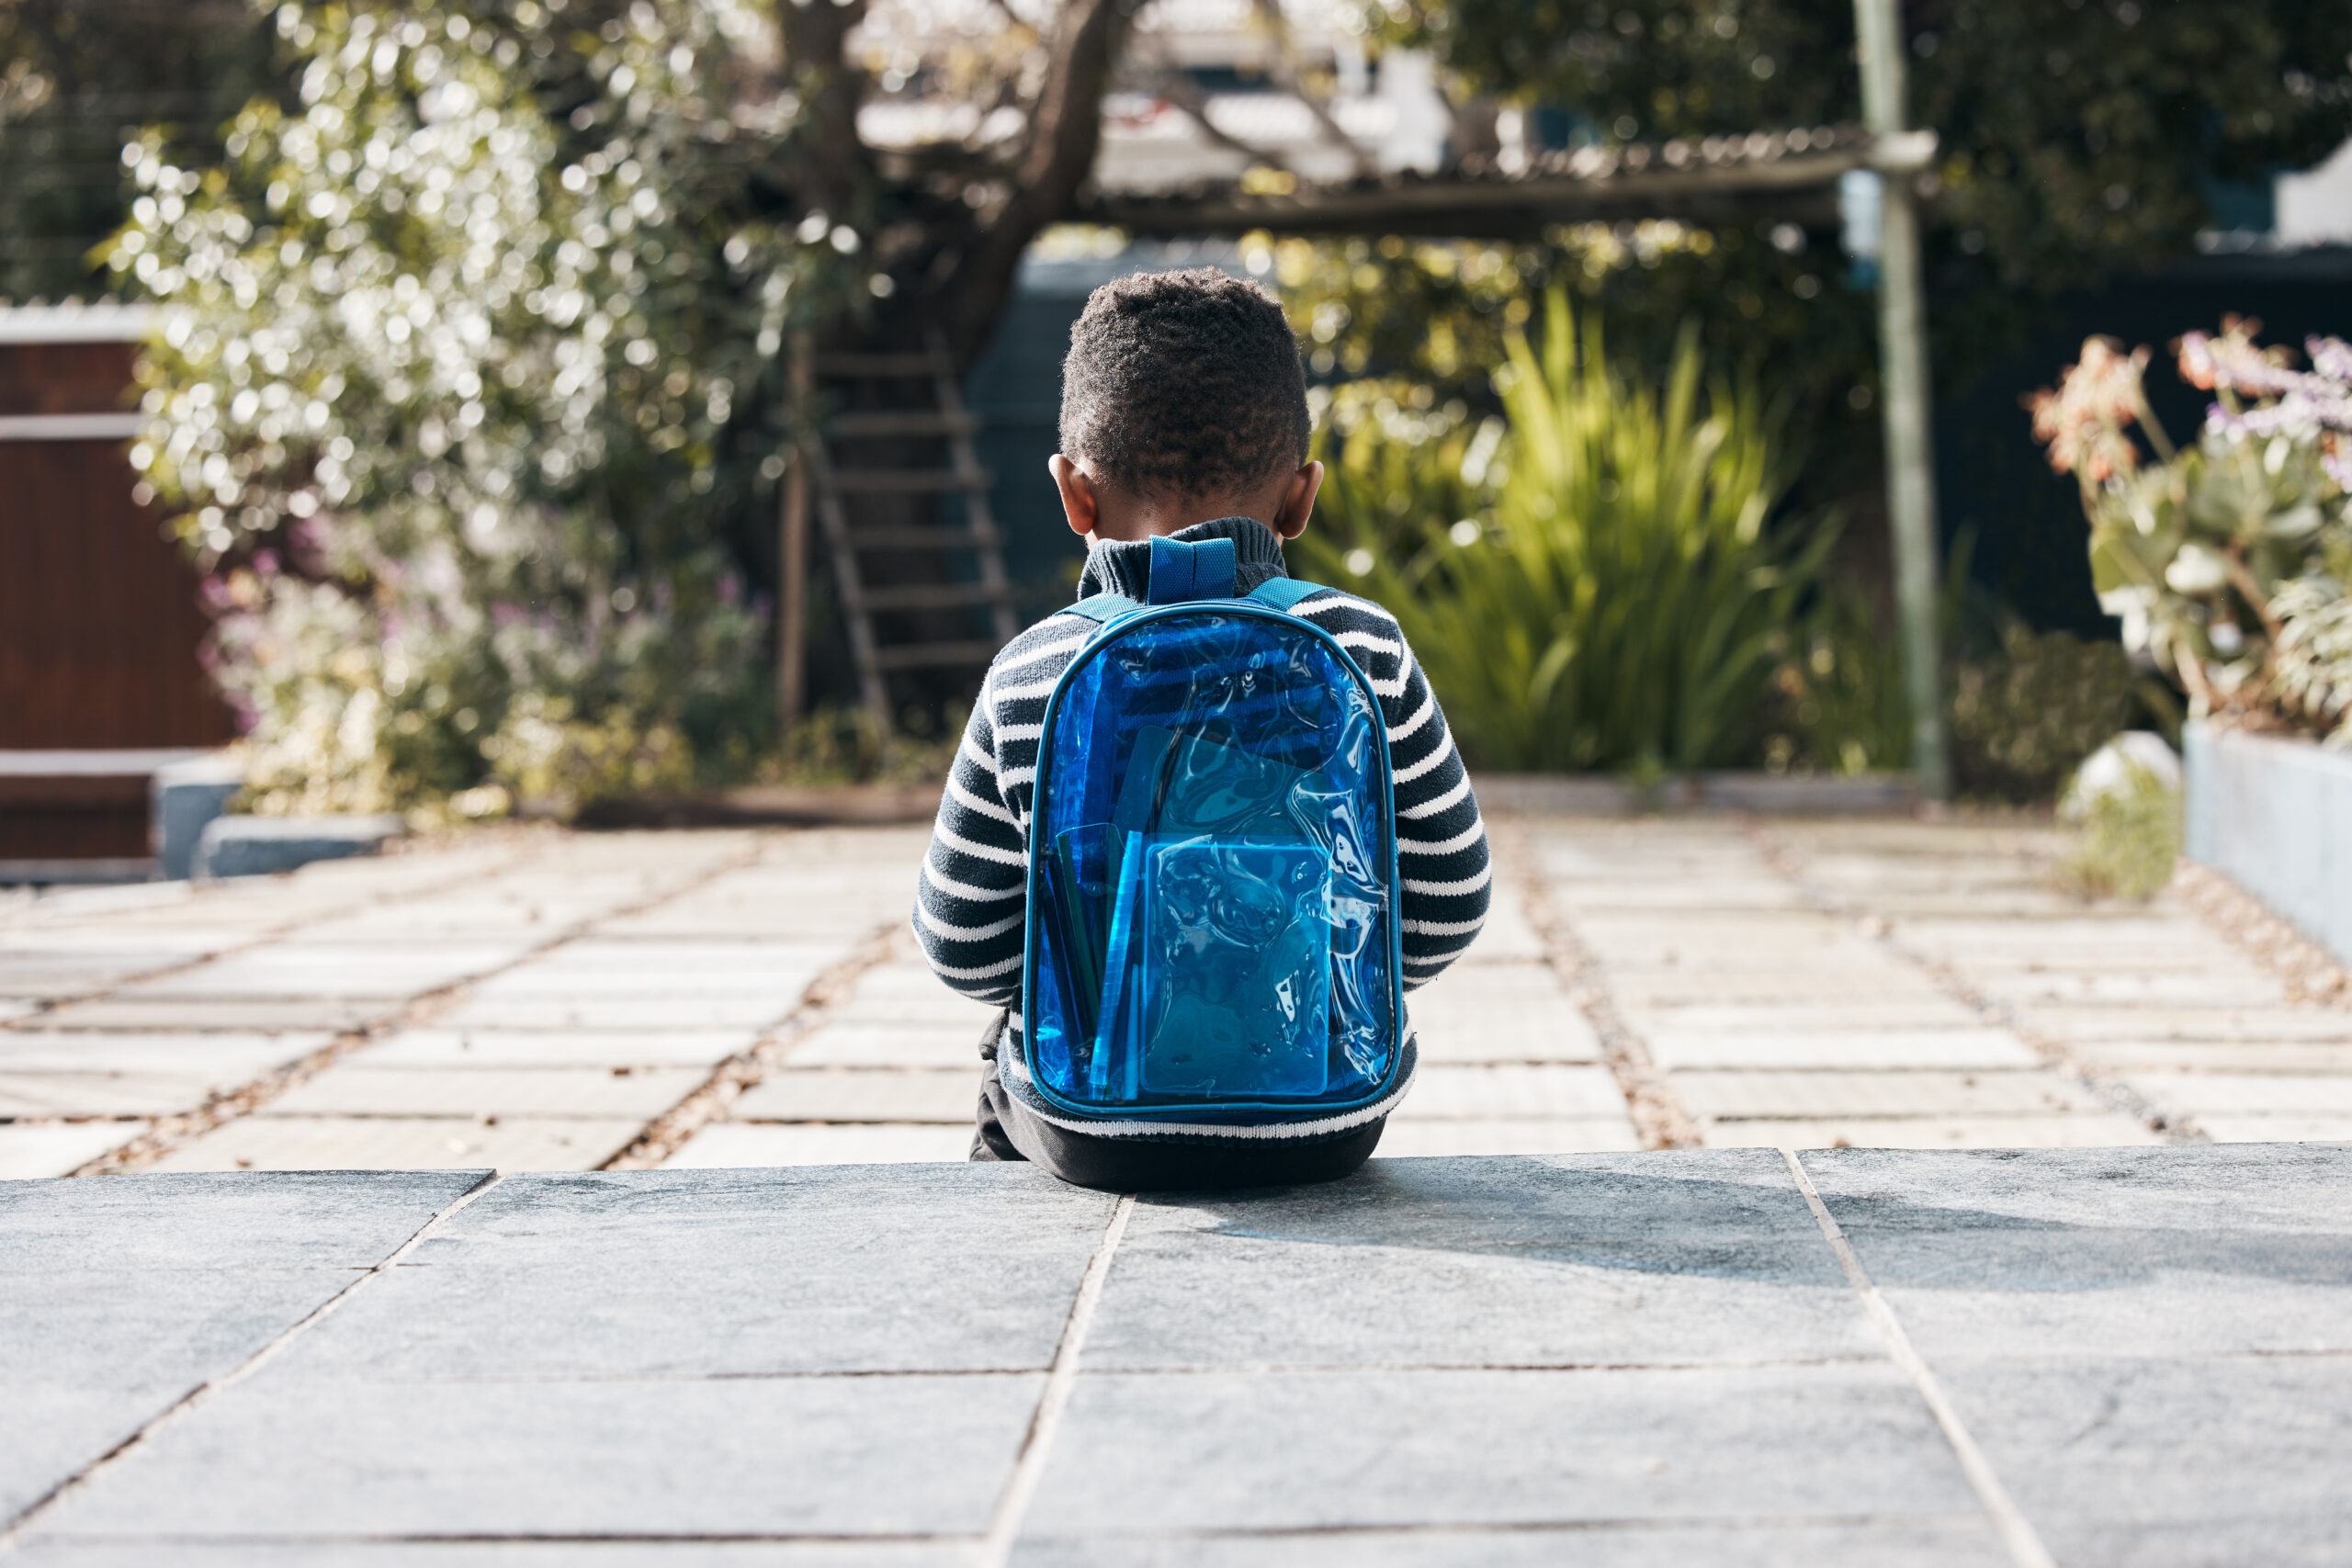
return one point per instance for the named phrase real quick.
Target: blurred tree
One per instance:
(78, 79)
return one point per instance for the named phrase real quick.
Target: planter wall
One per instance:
(2275, 817)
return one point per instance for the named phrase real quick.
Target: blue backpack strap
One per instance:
(1101, 607)
(1182, 572)
(1281, 592)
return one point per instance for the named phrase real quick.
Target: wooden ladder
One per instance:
(849, 541)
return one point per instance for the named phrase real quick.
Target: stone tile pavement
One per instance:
(549, 1001)
(2116, 1358)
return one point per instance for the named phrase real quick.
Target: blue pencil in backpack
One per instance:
(1212, 932)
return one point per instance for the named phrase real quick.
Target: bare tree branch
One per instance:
(1065, 133)
(1284, 72)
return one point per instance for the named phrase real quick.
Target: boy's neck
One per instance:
(1126, 517)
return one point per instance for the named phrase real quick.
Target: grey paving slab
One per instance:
(2164, 1462)
(273, 1141)
(708, 1274)
(120, 1296)
(2186, 1250)
(1750, 1543)
(2291, 1057)
(1818, 1014)
(855, 1044)
(284, 1453)
(2252, 1093)
(1307, 1449)
(327, 1552)
(1572, 1260)
(1514, 1089)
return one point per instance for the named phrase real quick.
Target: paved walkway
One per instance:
(1846, 1359)
(545, 1001)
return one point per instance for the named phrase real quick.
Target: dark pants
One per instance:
(1008, 1129)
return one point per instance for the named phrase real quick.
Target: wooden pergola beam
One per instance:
(1730, 180)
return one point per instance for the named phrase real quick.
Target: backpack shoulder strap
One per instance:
(1281, 592)
(1100, 608)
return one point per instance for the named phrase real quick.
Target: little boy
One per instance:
(1184, 413)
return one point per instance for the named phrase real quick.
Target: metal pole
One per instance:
(1903, 376)
(792, 551)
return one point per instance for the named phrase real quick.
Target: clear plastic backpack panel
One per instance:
(1208, 874)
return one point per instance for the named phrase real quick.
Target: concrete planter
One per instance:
(2275, 817)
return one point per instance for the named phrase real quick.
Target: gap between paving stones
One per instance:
(2017, 1534)
(1660, 1120)
(170, 1132)
(48, 1005)
(1061, 1380)
(1786, 862)
(709, 1100)
(12, 1533)
(2310, 972)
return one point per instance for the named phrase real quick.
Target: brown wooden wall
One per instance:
(99, 622)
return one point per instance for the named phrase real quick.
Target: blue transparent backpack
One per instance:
(1213, 932)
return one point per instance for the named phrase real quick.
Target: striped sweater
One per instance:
(970, 906)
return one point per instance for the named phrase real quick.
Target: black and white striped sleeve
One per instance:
(970, 902)
(1440, 841)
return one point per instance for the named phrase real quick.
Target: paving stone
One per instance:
(1410, 1135)
(1567, 1261)
(731, 1144)
(853, 1044)
(2121, 1021)
(2281, 1129)
(2174, 1462)
(1733, 1094)
(1289, 1451)
(1993, 1049)
(737, 1274)
(2187, 1250)
(464, 1049)
(1515, 1091)
(286, 969)
(233, 1015)
(53, 1149)
(405, 1143)
(686, 1011)
(1499, 1012)
(2106, 1130)
(1959, 1543)
(1813, 1014)
(2250, 988)
(285, 1454)
(1875, 987)
(64, 1075)
(357, 1088)
(849, 1094)
(2289, 1058)
(2259, 1094)
(121, 1295)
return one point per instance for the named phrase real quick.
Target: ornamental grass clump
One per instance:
(1607, 596)
(2227, 560)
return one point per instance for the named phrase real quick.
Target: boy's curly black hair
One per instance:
(1183, 383)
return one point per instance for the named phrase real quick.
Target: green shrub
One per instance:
(2023, 718)
(2129, 839)
(1621, 604)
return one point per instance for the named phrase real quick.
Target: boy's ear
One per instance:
(1298, 500)
(1080, 503)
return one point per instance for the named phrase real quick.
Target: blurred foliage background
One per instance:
(472, 399)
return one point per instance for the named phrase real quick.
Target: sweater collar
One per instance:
(1125, 566)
